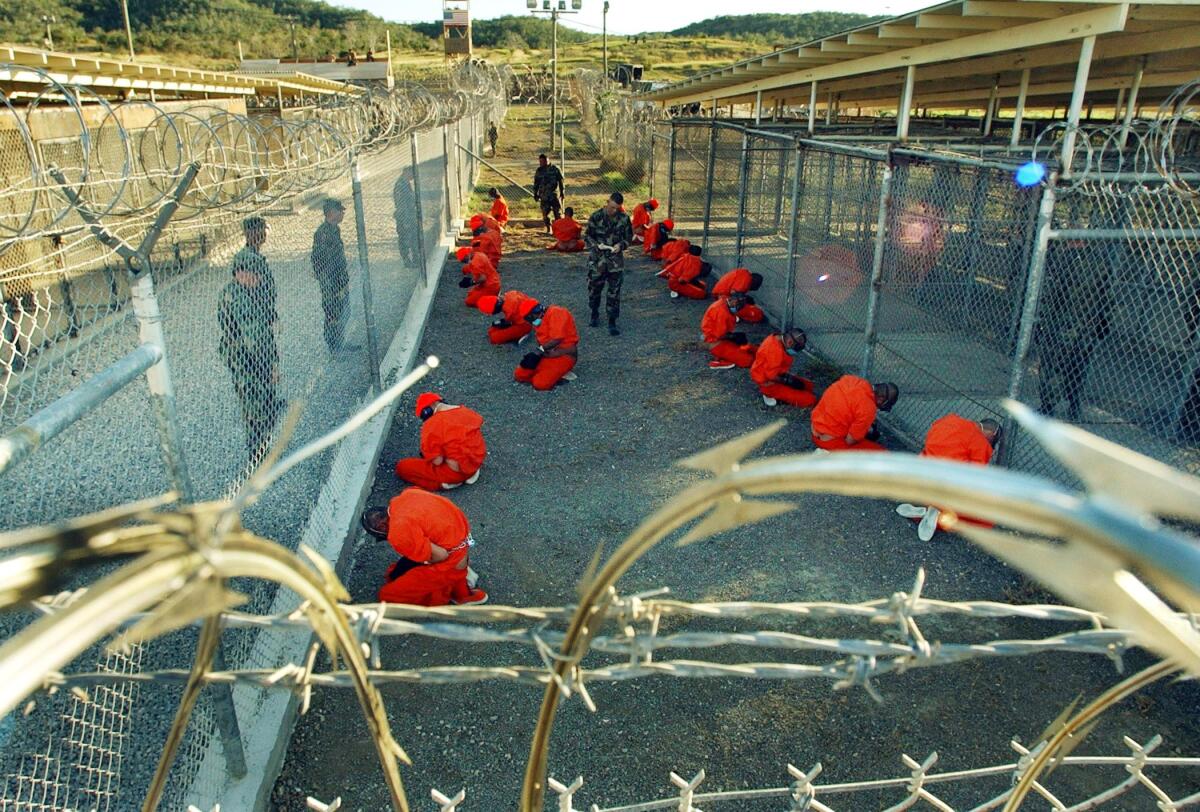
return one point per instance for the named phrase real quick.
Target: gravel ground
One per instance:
(581, 466)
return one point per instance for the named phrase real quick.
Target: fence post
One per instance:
(671, 174)
(708, 187)
(742, 179)
(416, 174)
(446, 176)
(1033, 292)
(162, 391)
(364, 266)
(876, 284)
(833, 160)
(790, 300)
(653, 138)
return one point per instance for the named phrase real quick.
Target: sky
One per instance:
(635, 16)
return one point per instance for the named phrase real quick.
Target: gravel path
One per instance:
(581, 466)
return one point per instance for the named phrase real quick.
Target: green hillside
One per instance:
(775, 28)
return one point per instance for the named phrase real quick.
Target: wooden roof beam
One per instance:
(956, 21)
(835, 47)
(1019, 10)
(872, 38)
(911, 32)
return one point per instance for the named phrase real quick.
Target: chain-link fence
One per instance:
(289, 274)
(939, 272)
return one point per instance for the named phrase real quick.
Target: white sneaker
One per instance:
(928, 525)
(721, 365)
(911, 511)
(674, 294)
(770, 401)
(449, 486)
(570, 376)
(471, 480)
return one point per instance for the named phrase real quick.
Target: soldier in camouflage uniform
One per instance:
(246, 315)
(329, 266)
(607, 235)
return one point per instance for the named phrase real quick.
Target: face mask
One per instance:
(537, 322)
(792, 351)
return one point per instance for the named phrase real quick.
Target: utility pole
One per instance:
(128, 28)
(292, 25)
(604, 30)
(49, 39)
(554, 8)
(553, 78)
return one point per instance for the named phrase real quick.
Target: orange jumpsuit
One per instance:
(566, 233)
(771, 361)
(641, 221)
(487, 281)
(491, 244)
(681, 277)
(499, 211)
(651, 247)
(846, 409)
(454, 434)
(738, 281)
(517, 326)
(557, 322)
(487, 221)
(955, 438)
(717, 323)
(674, 250)
(417, 520)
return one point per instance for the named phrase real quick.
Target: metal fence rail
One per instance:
(936, 270)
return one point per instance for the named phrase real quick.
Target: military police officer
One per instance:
(246, 315)
(329, 266)
(608, 234)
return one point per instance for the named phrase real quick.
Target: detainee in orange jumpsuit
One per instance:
(486, 221)
(490, 243)
(771, 368)
(844, 419)
(433, 538)
(656, 237)
(567, 233)
(499, 210)
(688, 276)
(558, 346)
(509, 327)
(674, 249)
(452, 446)
(740, 280)
(952, 437)
(478, 274)
(729, 347)
(642, 218)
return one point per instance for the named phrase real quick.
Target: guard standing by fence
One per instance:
(329, 266)
(608, 234)
(246, 314)
(548, 189)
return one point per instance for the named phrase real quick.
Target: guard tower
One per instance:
(456, 28)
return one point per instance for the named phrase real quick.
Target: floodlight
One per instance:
(1030, 174)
